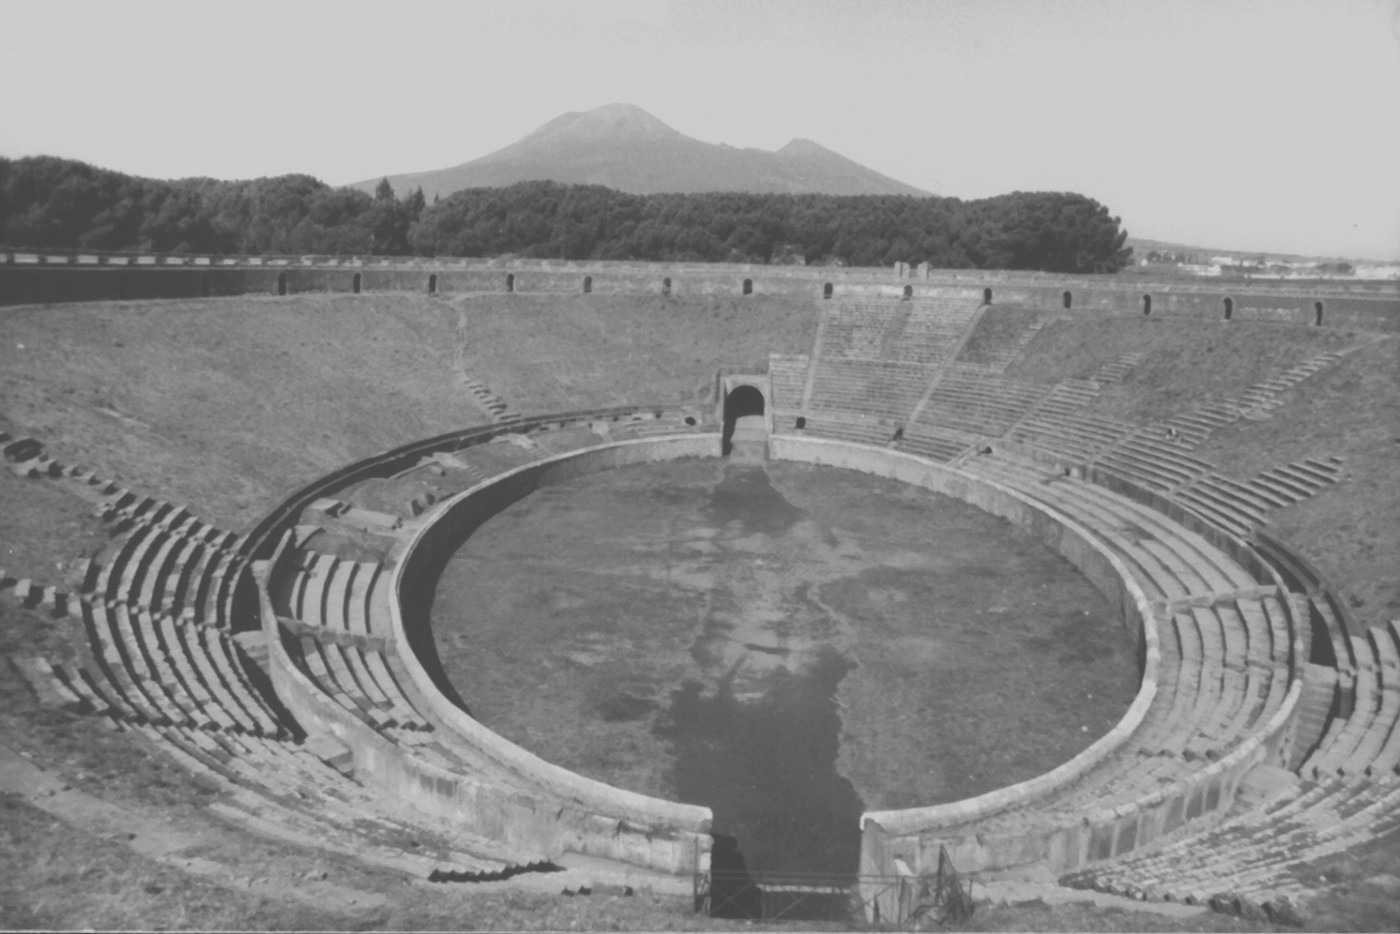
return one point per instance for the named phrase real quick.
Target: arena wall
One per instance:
(27, 278)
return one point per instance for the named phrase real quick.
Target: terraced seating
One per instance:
(787, 377)
(1169, 561)
(336, 631)
(939, 444)
(1361, 743)
(1058, 425)
(1256, 401)
(870, 387)
(966, 399)
(1224, 502)
(848, 428)
(1118, 368)
(1264, 855)
(1148, 456)
(297, 792)
(923, 333)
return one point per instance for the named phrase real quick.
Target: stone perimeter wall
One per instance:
(32, 278)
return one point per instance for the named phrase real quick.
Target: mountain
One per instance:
(624, 147)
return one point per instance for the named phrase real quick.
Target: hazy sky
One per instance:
(1270, 125)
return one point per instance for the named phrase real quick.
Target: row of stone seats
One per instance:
(870, 387)
(674, 422)
(170, 561)
(356, 676)
(846, 428)
(939, 444)
(787, 379)
(176, 564)
(1262, 856)
(1170, 562)
(1117, 369)
(1243, 674)
(1193, 427)
(144, 668)
(1149, 456)
(920, 333)
(1367, 741)
(966, 399)
(301, 792)
(343, 612)
(1060, 426)
(1226, 503)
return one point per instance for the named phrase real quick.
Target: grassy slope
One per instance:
(555, 353)
(1350, 531)
(997, 326)
(229, 402)
(1186, 363)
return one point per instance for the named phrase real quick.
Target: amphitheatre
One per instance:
(301, 626)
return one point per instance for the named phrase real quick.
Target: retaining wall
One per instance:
(35, 278)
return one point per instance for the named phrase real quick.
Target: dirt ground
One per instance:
(701, 616)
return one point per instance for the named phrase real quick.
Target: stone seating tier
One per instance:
(983, 405)
(1264, 854)
(869, 387)
(933, 444)
(285, 790)
(787, 375)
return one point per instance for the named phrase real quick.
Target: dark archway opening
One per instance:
(748, 286)
(987, 296)
(355, 284)
(801, 422)
(1317, 313)
(742, 401)
(205, 286)
(666, 286)
(587, 284)
(1067, 299)
(122, 290)
(1229, 308)
(510, 282)
(827, 290)
(908, 293)
(281, 283)
(1147, 304)
(432, 284)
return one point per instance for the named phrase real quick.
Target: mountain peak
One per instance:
(622, 146)
(610, 121)
(802, 147)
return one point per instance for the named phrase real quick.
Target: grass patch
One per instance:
(556, 353)
(998, 326)
(1351, 530)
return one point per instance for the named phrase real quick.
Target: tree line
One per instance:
(50, 203)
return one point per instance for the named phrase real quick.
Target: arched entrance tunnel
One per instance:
(742, 402)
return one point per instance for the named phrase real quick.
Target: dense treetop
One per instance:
(50, 203)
